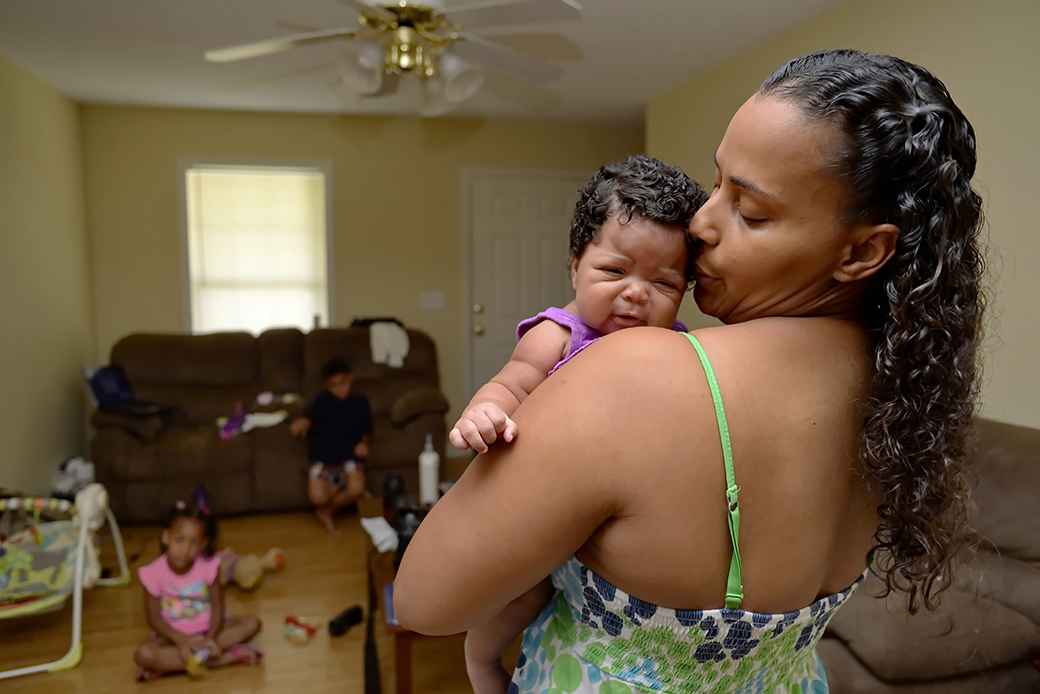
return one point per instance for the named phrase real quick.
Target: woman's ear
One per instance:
(870, 247)
(165, 537)
(574, 272)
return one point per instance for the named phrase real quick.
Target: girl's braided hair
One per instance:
(907, 159)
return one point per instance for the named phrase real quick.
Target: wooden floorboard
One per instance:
(324, 575)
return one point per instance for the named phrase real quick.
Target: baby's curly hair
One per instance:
(638, 187)
(907, 158)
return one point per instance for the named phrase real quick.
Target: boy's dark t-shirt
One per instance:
(337, 426)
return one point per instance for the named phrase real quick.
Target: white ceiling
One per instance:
(149, 53)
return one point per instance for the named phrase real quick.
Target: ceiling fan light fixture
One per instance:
(461, 78)
(361, 67)
(433, 102)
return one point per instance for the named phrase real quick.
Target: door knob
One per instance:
(478, 308)
(478, 329)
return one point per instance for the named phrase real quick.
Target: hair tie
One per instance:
(179, 505)
(205, 511)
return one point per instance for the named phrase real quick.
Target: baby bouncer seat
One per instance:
(43, 564)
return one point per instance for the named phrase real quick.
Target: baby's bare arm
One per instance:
(487, 415)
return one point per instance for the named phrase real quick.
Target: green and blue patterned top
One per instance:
(592, 638)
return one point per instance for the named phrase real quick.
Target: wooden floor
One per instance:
(324, 575)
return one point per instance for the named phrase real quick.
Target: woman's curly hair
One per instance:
(638, 187)
(907, 159)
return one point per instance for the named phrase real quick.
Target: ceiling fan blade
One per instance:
(370, 10)
(259, 48)
(530, 97)
(497, 13)
(504, 60)
(552, 47)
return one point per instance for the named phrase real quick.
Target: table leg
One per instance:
(403, 662)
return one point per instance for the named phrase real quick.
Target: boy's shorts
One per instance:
(336, 475)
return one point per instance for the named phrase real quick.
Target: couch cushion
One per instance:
(221, 359)
(1002, 578)
(1007, 464)
(965, 634)
(281, 360)
(181, 453)
(846, 675)
(380, 383)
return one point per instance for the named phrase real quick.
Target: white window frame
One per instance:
(192, 162)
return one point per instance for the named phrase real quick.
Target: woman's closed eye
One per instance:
(616, 271)
(749, 218)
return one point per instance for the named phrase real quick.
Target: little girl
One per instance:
(184, 602)
(631, 263)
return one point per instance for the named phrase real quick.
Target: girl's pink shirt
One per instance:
(184, 599)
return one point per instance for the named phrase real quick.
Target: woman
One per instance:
(839, 250)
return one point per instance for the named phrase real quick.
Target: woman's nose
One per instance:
(702, 226)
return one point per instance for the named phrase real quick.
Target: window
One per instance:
(257, 253)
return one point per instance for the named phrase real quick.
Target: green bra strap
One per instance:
(735, 582)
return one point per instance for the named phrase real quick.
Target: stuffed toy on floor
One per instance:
(247, 572)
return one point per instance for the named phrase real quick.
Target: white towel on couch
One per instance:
(389, 342)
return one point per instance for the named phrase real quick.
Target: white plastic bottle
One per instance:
(429, 473)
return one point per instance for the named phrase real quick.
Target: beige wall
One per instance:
(988, 55)
(397, 219)
(45, 318)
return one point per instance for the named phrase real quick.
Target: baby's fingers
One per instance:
(473, 433)
(458, 440)
(509, 430)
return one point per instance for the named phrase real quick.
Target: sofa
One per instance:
(985, 636)
(147, 463)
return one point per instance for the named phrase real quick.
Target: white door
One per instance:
(518, 230)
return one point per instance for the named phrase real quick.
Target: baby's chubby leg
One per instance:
(486, 644)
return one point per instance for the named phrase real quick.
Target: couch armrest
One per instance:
(146, 429)
(415, 402)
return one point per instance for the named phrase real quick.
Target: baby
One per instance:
(631, 264)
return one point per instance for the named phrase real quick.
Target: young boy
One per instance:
(340, 426)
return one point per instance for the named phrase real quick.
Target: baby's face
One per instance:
(633, 274)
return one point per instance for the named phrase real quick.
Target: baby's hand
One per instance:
(480, 426)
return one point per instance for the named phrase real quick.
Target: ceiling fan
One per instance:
(417, 37)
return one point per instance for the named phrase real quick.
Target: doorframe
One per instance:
(468, 175)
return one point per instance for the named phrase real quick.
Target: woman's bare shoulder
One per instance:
(822, 346)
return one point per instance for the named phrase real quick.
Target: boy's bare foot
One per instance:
(325, 516)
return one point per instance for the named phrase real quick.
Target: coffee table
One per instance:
(381, 573)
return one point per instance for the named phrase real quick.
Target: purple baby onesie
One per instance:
(581, 335)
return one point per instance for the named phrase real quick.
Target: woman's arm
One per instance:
(520, 511)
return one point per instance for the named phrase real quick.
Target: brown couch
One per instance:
(985, 635)
(148, 463)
